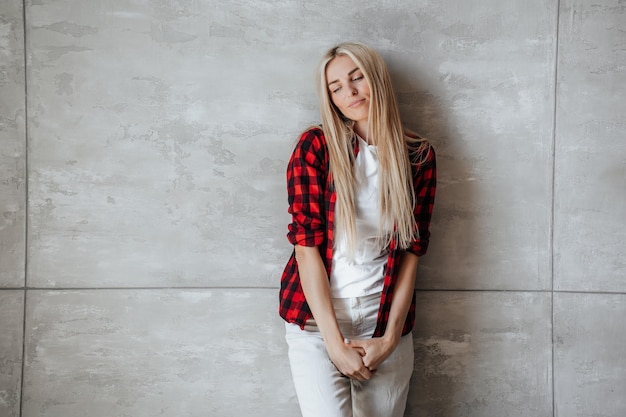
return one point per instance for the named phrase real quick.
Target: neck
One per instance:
(361, 129)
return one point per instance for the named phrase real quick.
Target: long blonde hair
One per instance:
(395, 149)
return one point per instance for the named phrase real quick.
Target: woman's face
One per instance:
(348, 89)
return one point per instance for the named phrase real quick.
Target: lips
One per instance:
(356, 103)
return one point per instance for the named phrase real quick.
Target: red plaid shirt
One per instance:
(312, 206)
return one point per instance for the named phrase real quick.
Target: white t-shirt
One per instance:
(362, 275)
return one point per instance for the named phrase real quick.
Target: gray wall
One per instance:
(143, 207)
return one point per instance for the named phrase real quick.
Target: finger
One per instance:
(362, 374)
(369, 363)
(360, 350)
(365, 373)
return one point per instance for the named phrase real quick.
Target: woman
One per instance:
(361, 191)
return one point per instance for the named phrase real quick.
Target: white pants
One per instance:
(324, 392)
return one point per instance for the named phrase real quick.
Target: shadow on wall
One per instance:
(455, 223)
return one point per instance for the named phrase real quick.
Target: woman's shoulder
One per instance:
(311, 147)
(312, 138)
(313, 133)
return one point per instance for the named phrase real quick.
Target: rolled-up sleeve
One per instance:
(425, 185)
(306, 182)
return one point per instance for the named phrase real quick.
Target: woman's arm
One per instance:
(380, 348)
(314, 281)
(402, 297)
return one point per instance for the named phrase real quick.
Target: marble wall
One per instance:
(143, 215)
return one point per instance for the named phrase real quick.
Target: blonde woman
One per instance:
(361, 192)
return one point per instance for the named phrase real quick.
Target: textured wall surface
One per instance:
(482, 354)
(589, 365)
(155, 352)
(590, 181)
(12, 145)
(11, 319)
(162, 127)
(157, 136)
(479, 82)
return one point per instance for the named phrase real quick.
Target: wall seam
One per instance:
(553, 199)
(419, 290)
(26, 210)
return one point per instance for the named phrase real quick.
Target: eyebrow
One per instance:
(350, 73)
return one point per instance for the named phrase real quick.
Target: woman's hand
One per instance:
(375, 350)
(349, 361)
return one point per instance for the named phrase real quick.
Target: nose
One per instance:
(354, 91)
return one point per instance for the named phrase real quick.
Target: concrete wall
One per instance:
(143, 207)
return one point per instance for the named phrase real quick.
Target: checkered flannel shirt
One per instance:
(312, 206)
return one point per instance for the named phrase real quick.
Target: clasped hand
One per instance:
(359, 359)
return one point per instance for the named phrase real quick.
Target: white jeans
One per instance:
(324, 392)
